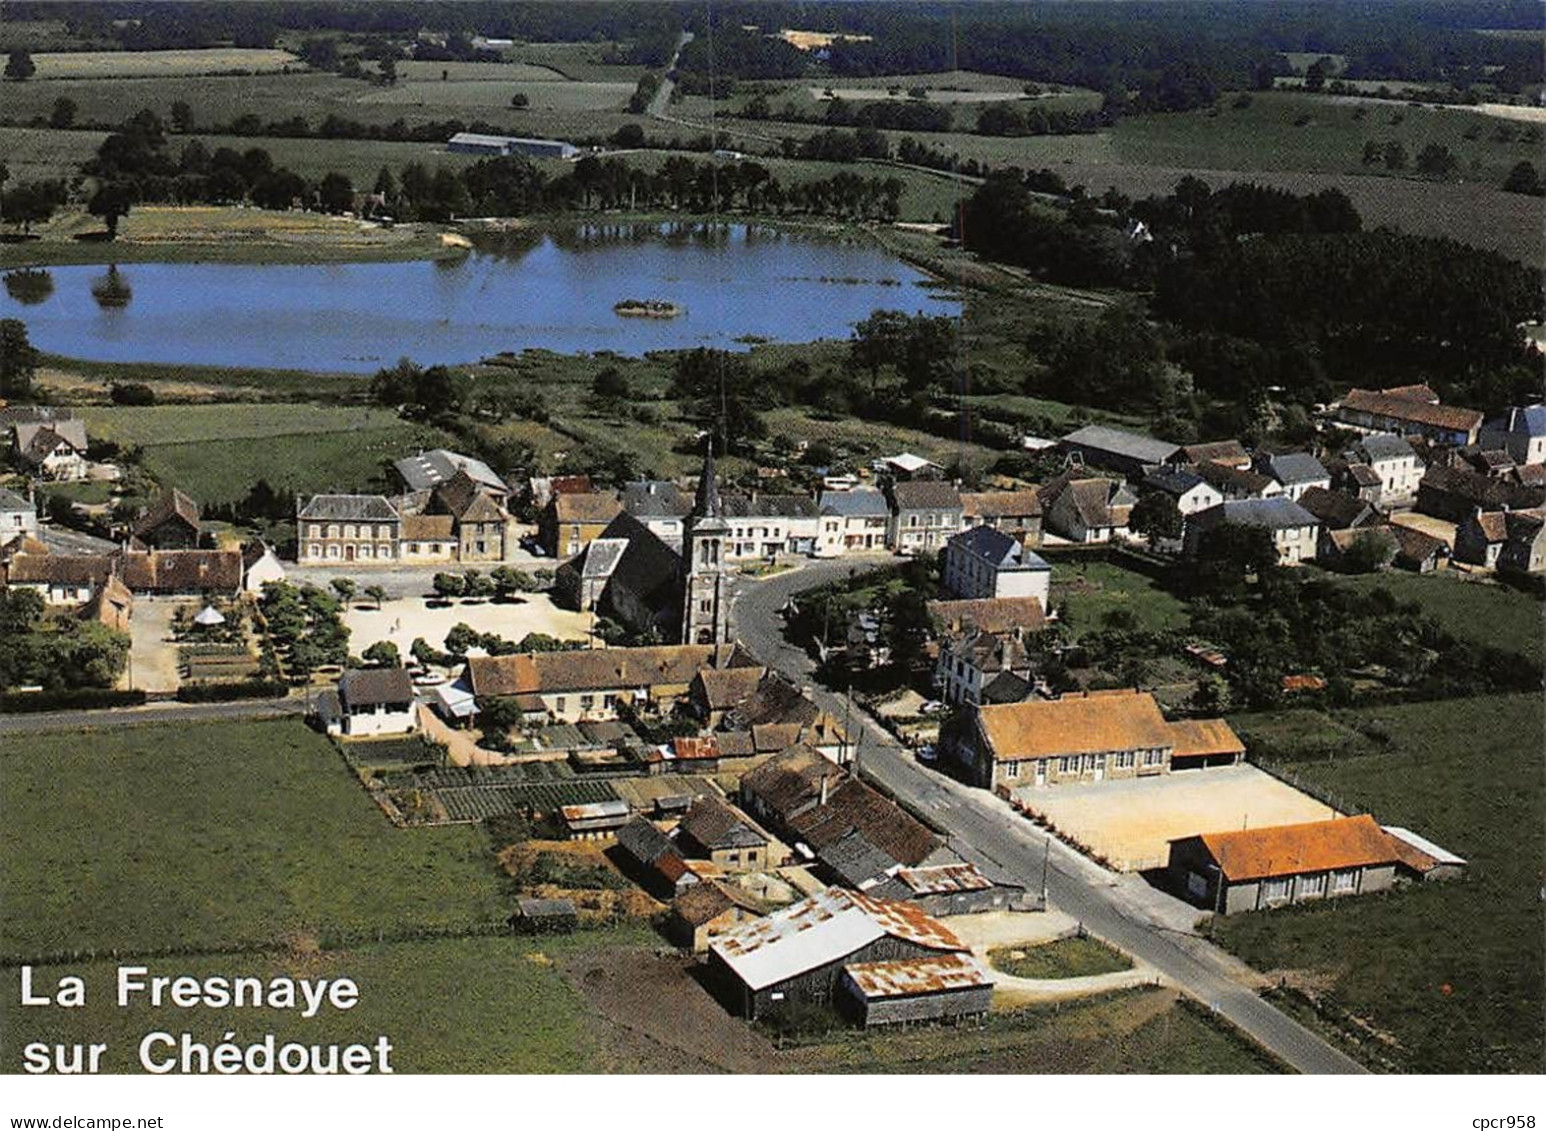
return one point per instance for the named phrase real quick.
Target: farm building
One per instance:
(717, 832)
(172, 524)
(949, 889)
(1419, 858)
(1126, 452)
(1017, 513)
(544, 916)
(1255, 869)
(948, 987)
(1412, 410)
(497, 145)
(797, 954)
(704, 912)
(596, 820)
(654, 859)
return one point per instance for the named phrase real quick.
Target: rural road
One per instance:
(1121, 909)
(150, 714)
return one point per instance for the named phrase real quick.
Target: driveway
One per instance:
(153, 660)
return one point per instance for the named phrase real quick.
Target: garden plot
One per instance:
(1130, 823)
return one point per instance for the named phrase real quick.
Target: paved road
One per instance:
(149, 714)
(1123, 909)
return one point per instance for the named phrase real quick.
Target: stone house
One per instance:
(347, 528)
(18, 517)
(569, 521)
(172, 524)
(1295, 531)
(1087, 510)
(764, 526)
(716, 831)
(1394, 461)
(1016, 513)
(1412, 410)
(924, 514)
(706, 911)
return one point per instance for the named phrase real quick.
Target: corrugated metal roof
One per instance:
(911, 977)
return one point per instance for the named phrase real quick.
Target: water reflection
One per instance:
(29, 286)
(112, 291)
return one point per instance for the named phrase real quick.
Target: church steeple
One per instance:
(706, 591)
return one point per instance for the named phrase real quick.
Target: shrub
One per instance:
(225, 692)
(77, 699)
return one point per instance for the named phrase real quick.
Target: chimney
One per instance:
(823, 789)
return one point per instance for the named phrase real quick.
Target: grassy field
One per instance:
(551, 92)
(1090, 589)
(207, 835)
(173, 424)
(144, 64)
(1289, 132)
(477, 1005)
(1076, 957)
(1451, 971)
(1473, 610)
(79, 380)
(218, 471)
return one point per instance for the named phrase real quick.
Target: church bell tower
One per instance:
(706, 592)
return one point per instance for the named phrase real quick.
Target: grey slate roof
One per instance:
(371, 686)
(770, 506)
(11, 501)
(432, 468)
(1296, 467)
(1383, 445)
(995, 546)
(1172, 480)
(926, 495)
(656, 498)
(349, 508)
(1276, 513)
(862, 502)
(1130, 445)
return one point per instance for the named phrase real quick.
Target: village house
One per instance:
(1412, 410)
(1521, 432)
(924, 514)
(1087, 510)
(369, 703)
(716, 831)
(986, 563)
(1296, 472)
(1129, 453)
(569, 521)
(1337, 511)
(1191, 492)
(52, 448)
(1394, 461)
(1479, 539)
(777, 715)
(1295, 531)
(592, 684)
(260, 565)
(167, 573)
(706, 911)
(18, 517)
(764, 526)
(797, 954)
(1419, 551)
(661, 506)
(1016, 513)
(1088, 737)
(426, 539)
(983, 653)
(60, 579)
(1524, 542)
(347, 528)
(717, 691)
(172, 524)
(1454, 493)
(1238, 482)
(853, 521)
(481, 529)
(1356, 479)
(828, 816)
(1255, 869)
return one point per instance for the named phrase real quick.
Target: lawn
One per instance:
(1470, 609)
(220, 471)
(172, 424)
(1077, 957)
(474, 1005)
(210, 835)
(1089, 589)
(1452, 971)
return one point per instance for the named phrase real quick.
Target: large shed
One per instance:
(949, 987)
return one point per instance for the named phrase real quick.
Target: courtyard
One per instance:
(1130, 823)
(404, 619)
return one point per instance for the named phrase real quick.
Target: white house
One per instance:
(1191, 491)
(1394, 461)
(370, 703)
(852, 522)
(765, 526)
(260, 565)
(1522, 433)
(1295, 531)
(54, 449)
(1297, 472)
(18, 517)
(984, 562)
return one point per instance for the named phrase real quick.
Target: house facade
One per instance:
(1016, 513)
(370, 703)
(763, 527)
(851, 522)
(53, 449)
(347, 528)
(1296, 472)
(1087, 511)
(925, 514)
(987, 563)
(1295, 531)
(18, 517)
(1395, 462)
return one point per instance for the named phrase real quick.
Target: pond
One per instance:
(730, 283)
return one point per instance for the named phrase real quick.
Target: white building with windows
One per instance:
(347, 528)
(984, 562)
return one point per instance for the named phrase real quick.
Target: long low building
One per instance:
(1257, 869)
(950, 987)
(1090, 737)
